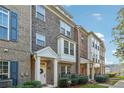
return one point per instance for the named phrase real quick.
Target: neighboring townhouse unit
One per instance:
(94, 54)
(53, 45)
(102, 57)
(81, 37)
(15, 43)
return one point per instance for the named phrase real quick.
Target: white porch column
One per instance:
(93, 72)
(101, 68)
(55, 63)
(88, 70)
(37, 69)
(66, 69)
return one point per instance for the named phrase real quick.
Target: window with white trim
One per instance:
(65, 29)
(40, 12)
(4, 24)
(40, 39)
(71, 49)
(63, 69)
(66, 47)
(4, 70)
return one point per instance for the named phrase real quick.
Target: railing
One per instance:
(69, 75)
(6, 83)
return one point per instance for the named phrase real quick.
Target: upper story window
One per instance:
(96, 46)
(40, 12)
(4, 70)
(65, 29)
(4, 24)
(82, 38)
(66, 47)
(40, 40)
(93, 44)
(71, 49)
(8, 25)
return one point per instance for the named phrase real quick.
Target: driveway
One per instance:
(119, 84)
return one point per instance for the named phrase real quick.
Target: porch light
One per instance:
(6, 50)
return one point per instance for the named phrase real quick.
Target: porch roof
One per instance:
(47, 52)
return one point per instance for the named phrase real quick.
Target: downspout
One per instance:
(78, 50)
(31, 29)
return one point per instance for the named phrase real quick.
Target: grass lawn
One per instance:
(92, 86)
(120, 77)
(111, 82)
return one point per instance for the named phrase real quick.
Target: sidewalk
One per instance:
(119, 84)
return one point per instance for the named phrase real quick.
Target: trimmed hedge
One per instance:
(82, 80)
(72, 80)
(63, 82)
(101, 78)
(30, 84)
(112, 74)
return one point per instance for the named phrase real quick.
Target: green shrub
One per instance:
(82, 79)
(30, 84)
(112, 74)
(101, 78)
(63, 82)
(74, 81)
(74, 76)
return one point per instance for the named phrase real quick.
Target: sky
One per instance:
(99, 19)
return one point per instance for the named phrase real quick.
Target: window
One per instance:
(40, 40)
(40, 12)
(4, 70)
(82, 38)
(68, 33)
(96, 46)
(93, 44)
(66, 47)
(4, 24)
(62, 30)
(65, 28)
(68, 69)
(62, 69)
(71, 49)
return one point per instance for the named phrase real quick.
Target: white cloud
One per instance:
(98, 16)
(101, 36)
(109, 62)
(113, 51)
(67, 5)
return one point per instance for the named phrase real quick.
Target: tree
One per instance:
(118, 35)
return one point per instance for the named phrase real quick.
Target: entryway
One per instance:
(46, 66)
(43, 67)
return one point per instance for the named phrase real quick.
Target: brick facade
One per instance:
(19, 51)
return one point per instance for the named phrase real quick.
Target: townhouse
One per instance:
(15, 43)
(102, 57)
(53, 45)
(81, 37)
(43, 43)
(95, 49)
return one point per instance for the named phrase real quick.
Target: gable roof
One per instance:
(47, 52)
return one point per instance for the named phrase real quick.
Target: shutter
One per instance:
(13, 26)
(14, 72)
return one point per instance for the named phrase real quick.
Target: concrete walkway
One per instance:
(119, 84)
(106, 85)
